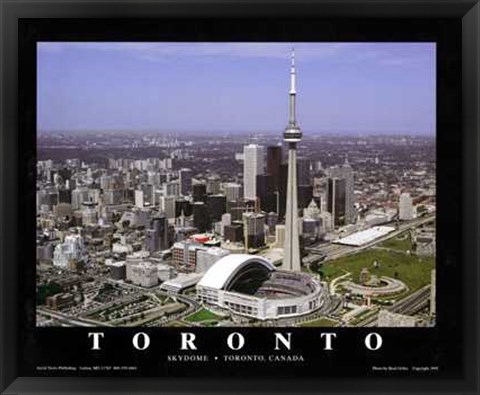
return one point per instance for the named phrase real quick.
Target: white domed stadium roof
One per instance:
(225, 269)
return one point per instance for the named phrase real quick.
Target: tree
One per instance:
(46, 290)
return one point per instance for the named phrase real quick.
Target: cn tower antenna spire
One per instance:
(292, 74)
(292, 135)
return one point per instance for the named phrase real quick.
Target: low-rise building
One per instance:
(144, 274)
(60, 301)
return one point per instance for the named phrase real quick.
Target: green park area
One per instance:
(402, 242)
(202, 316)
(413, 270)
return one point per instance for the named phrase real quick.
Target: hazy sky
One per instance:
(382, 88)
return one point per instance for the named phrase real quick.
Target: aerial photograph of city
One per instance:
(240, 184)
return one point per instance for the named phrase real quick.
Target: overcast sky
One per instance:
(377, 88)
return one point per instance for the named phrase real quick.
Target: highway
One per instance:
(412, 304)
(73, 321)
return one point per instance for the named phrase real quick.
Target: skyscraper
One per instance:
(185, 181)
(159, 224)
(199, 192)
(274, 162)
(216, 206)
(303, 171)
(213, 185)
(252, 166)
(200, 216)
(254, 229)
(341, 197)
(336, 200)
(232, 191)
(266, 192)
(292, 135)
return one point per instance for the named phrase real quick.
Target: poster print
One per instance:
(232, 186)
(169, 194)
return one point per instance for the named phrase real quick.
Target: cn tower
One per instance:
(292, 135)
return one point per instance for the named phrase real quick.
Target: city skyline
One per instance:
(371, 88)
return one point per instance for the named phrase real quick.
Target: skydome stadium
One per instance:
(252, 286)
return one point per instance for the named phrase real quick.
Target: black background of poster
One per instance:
(440, 346)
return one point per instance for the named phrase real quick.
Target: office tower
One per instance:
(200, 217)
(336, 200)
(184, 206)
(216, 206)
(213, 185)
(292, 135)
(303, 171)
(199, 192)
(151, 241)
(252, 166)
(167, 205)
(185, 181)
(274, 162)
(344, 196)
(405, 207)
(171, 188)
(254, 230)
(266, 193)
(232, 191)
(159, 224)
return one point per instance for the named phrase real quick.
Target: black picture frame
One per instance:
(14, 213)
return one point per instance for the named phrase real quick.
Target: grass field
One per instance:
(321, 322)
(202, 315)
(414, 271)
(401, 243)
